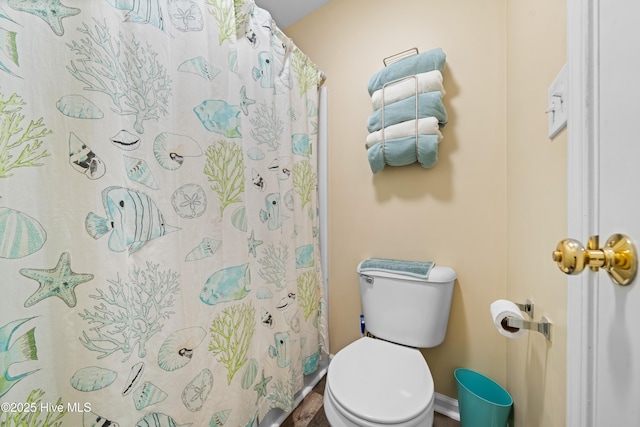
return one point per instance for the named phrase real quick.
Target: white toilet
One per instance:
(386, 381)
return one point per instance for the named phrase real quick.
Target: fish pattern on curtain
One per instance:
(158, 214)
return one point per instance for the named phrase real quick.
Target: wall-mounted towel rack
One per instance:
(415, 79)
(397, 135)
(400, 55)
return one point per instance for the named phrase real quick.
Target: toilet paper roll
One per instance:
(500, 310)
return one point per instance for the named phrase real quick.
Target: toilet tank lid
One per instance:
(437, 274)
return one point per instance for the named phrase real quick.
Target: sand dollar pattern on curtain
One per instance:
(158, 213)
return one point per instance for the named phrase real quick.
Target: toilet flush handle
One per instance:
(367, 279)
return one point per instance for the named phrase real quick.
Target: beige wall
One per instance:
(536, 208)
(494, 185)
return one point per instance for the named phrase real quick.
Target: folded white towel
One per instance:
(426, 126)
(427, 82)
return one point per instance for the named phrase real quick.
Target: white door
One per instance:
(603, 381)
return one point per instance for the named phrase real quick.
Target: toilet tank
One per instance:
(405, 309)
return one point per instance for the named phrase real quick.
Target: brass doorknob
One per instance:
(618, 257)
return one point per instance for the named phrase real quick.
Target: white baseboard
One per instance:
(446, 405)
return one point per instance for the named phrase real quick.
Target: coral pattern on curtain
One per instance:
(158, 214)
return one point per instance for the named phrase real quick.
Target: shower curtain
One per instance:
(159, 250)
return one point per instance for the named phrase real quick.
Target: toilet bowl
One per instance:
(374, 383)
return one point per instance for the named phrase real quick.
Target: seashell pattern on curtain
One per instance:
(158, 214)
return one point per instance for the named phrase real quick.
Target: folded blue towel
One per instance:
(419, 269)
(402, 151)
(430, 60)
(429, 105)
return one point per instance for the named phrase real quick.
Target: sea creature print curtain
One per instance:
(158, 214)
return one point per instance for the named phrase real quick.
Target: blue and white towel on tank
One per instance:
(418, 269)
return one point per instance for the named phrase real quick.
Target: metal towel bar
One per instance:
(400, 55)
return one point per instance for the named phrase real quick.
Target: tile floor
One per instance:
(311, 414)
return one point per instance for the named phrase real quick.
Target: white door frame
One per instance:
(582, 200)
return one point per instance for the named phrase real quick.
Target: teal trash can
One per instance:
(482, 401)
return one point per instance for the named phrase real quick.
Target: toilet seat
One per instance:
(375, 382)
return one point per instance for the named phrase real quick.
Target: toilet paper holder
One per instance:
(527, 307)
(543, 326)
